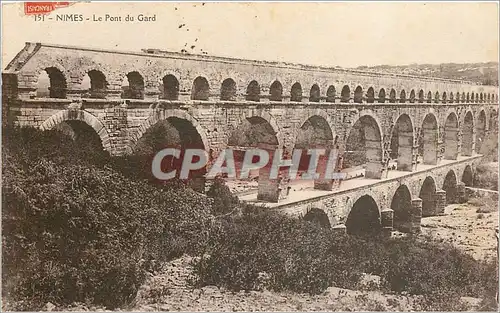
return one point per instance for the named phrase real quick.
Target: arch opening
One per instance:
(421, 96)
(451, 137)
(314, 133)
(402, 143)
(428, 147)
(401, 206)
(296, 93)
(358, 95)
(364, 148)
(436, 97)
(200, 89)
(481, 132)
(276, 91)
(381, 96)
(392, 96)
(51, 83)
(468, 176)
(252, 132)
(81, 126)
(412, 96)
(170, 88)
(253, 91)
(318, 217)
(172, 132)
(82, 133)
(95, 85)
(468, 134)
(428, 196)
(429, 97)
(330, 94)
(228, 90)
(370, 95)
(364, 218)
(402, 96)
(133, 86)
(450, 186)
(314, 93)
(345, 95)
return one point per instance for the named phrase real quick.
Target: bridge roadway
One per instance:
(421, 192)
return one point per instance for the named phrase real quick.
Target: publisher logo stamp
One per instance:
(34, 8)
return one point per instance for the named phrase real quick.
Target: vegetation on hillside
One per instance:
(74, 229)
(486, 176)
(481, 73)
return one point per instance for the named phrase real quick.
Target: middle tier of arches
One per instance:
(134, 85)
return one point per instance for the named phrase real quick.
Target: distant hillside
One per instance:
(482, 73)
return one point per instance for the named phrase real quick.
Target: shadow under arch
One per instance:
(83, 116)
(450, 186)
(428, 196)
(468, 176)
(402, 143)
(401, 206)
(363, 147)
(164, 115)
(318, 217)
(167, 129)
(364, 217)
(451, 137)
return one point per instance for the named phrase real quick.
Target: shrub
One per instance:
(224, 201)
(486, 176)
(422, 267)
(484, 204)
(300, 256)
(489, 147)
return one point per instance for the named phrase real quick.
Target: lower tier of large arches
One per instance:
(370, 137)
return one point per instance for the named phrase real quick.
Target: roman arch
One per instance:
(82, 116)
(402, 142)
(450, 186)
(428, 126)
(451, 137)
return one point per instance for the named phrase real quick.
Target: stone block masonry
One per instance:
(216, 103)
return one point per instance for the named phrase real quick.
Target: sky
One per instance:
(318, 33)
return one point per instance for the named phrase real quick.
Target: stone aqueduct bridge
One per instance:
(213, 100)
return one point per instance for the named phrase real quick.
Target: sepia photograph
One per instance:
(250, 156)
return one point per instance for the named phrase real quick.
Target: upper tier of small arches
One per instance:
(52, 83)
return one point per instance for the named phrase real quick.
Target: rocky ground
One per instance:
(169, 291)
(469, 226)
